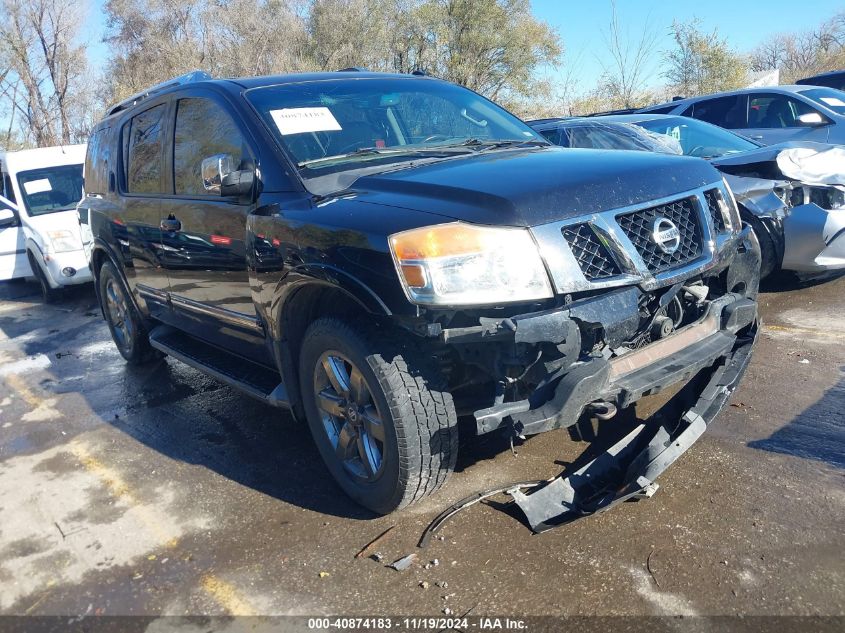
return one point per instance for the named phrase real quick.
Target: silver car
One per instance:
(769, 115)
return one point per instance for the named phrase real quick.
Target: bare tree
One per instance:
(625, 75)
(798, 55)
(45, 70)
(702, 63)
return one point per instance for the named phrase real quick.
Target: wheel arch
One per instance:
(302, 302)
(101, 253)
(36, 259)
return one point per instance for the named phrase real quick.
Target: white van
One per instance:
(39, 229)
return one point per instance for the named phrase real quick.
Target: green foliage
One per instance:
(702, 63)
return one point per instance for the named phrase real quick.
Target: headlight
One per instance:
(730, 210)
(461, 264)
(64, 241)
(828, 198)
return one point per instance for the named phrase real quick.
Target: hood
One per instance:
(764, 154)
(805, 162)
(60, 220)
(527, 187)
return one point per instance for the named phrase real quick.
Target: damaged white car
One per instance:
(792, 194)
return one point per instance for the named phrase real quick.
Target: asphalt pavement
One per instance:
(158, 491)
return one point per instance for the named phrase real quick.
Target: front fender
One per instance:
(313, 275)
(102, 249)
(33, 247)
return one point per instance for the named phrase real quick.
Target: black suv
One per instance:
(382, 254)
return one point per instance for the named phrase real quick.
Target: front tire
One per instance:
(125, 323)
(768, 256)
(379, 412)
(48, 293)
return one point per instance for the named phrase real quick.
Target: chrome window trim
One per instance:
(567, 276)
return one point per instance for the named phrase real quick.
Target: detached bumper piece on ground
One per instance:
(630, 467)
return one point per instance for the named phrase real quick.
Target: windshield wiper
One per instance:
(364, 151)
(384, 151)
(485, 144)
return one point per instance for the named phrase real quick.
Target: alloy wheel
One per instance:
(350, 416)
(118, 313)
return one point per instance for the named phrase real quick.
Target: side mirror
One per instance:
(811, 119)
(238, 183)
(7, 218)
(214, 169)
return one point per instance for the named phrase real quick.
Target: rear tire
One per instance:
(125, 323)
(379, 412)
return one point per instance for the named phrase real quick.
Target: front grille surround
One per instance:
(581, 267)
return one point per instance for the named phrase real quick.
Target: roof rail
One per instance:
(352, 69)
(194, 75)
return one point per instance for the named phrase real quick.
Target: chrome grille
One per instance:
(593, 257)
(712, 196)
(639, 226)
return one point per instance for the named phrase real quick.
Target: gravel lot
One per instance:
(160, 491)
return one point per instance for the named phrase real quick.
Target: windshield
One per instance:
(51, 189)
(830, 98)
(698, 138)
(625, 136)
(345, 124)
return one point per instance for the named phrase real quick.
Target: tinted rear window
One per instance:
(729, 112)
(142, 141)
(97, 162)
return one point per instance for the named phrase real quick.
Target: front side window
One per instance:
(203, 130)
(830, 98)
(8, 191)
(775, 111)
(50, 189)
(142, 141)
(556, 136)
(343, 125)
(728, 112)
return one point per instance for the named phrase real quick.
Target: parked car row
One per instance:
(799, 221)
(382, 254)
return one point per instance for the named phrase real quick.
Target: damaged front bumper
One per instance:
(625, 379)
(629, 468)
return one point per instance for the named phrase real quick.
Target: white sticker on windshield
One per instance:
(834, 101)
(37, 186)
(300, 120)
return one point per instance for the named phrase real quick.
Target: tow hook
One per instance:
(602, 410)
